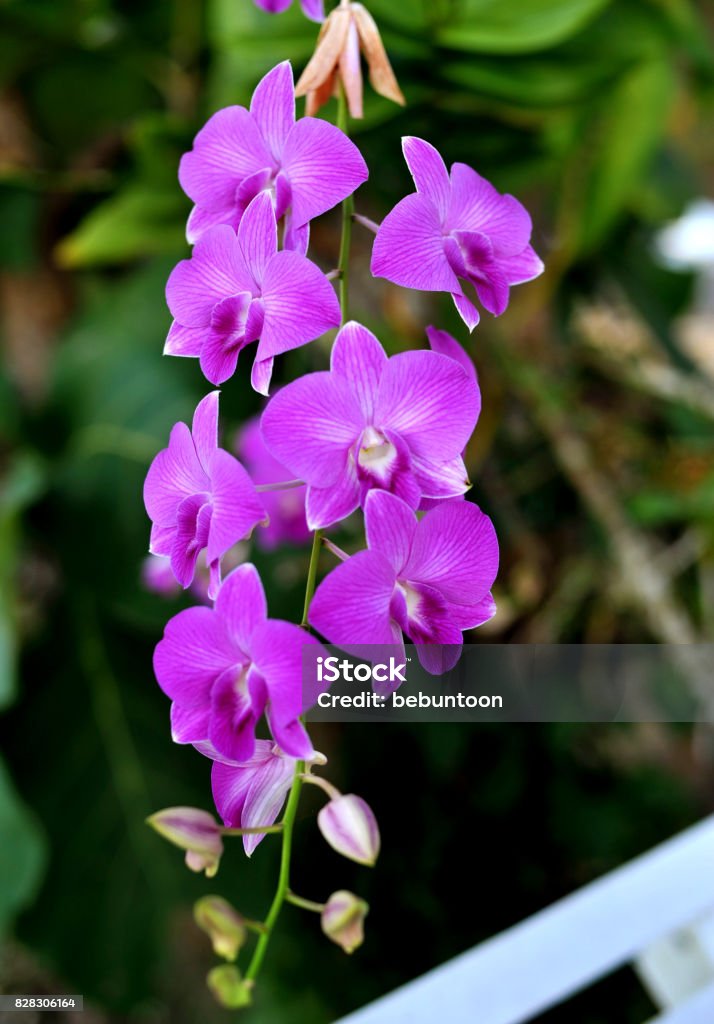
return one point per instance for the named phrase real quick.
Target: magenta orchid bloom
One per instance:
(250, 793)
(237, 288)
(199, 496)
(307, 166)
(223, 667)
(398, 424)
(429, 579)
(312, 9)
(286, 508)
(455, 227)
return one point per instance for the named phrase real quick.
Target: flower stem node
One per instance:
(348, 824)
(229, 987)
(222, 923)
(343, 920)
(195, 831)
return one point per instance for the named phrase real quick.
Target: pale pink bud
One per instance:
(350, 827)
(343, 919)
(229, 988)
(224, 926)
(195, 831)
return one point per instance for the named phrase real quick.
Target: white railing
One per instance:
(657, 913)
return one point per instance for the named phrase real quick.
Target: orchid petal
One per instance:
(466, 310)
(325, 506)
(351, 605)
(204, 428)
(276, 649)
(273, 107)
(258, 235)
(313, 9)
(227, 149)
(241, 604)
(447, 345)
(431, 401)
(175, 474)
(310, 425)
(193, 521)
(261, 375)
(471, 616)
(194, 651)
(390, 525)
(300, 304)
(184, 341)
(237, 507)
(234, 713)
(455, 550)
(189, 724)
(477, 206)
(428, 171)
(409, 248)
(358, 357)
(524, 267)
(265, 797)
(323, 166)
(215, 271)
(441, 479)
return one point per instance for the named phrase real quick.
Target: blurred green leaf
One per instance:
(135, 223)
(22, 853)
(617, 141)
(22, 484)
(491, 26)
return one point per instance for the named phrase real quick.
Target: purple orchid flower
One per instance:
(455, 227)
(312, 9)
(237, 288)
(399, 424)
(286, 508)
(199, 496)
(250, 793)
(307, 166)
(224, 666)
(429, 579)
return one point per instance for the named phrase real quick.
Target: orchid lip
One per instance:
(376, 453)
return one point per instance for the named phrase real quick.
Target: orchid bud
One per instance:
(223, 925)
(343, 919)
(350, 827)
(229, 988)
(195, 831)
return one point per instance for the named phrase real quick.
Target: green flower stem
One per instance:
(298, 901)
(311, 574)
(288, 822)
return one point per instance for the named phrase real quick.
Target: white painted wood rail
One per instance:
(664, 897)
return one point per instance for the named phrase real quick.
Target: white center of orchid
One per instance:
(412, 599)
(241, 680)
(376, 454)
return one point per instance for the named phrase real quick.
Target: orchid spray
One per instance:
(380, 435)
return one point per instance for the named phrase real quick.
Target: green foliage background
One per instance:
(595, 113)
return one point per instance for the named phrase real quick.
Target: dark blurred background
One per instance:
(593, 455)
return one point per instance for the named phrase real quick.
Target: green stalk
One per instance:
(311, 574)
(288, 821)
